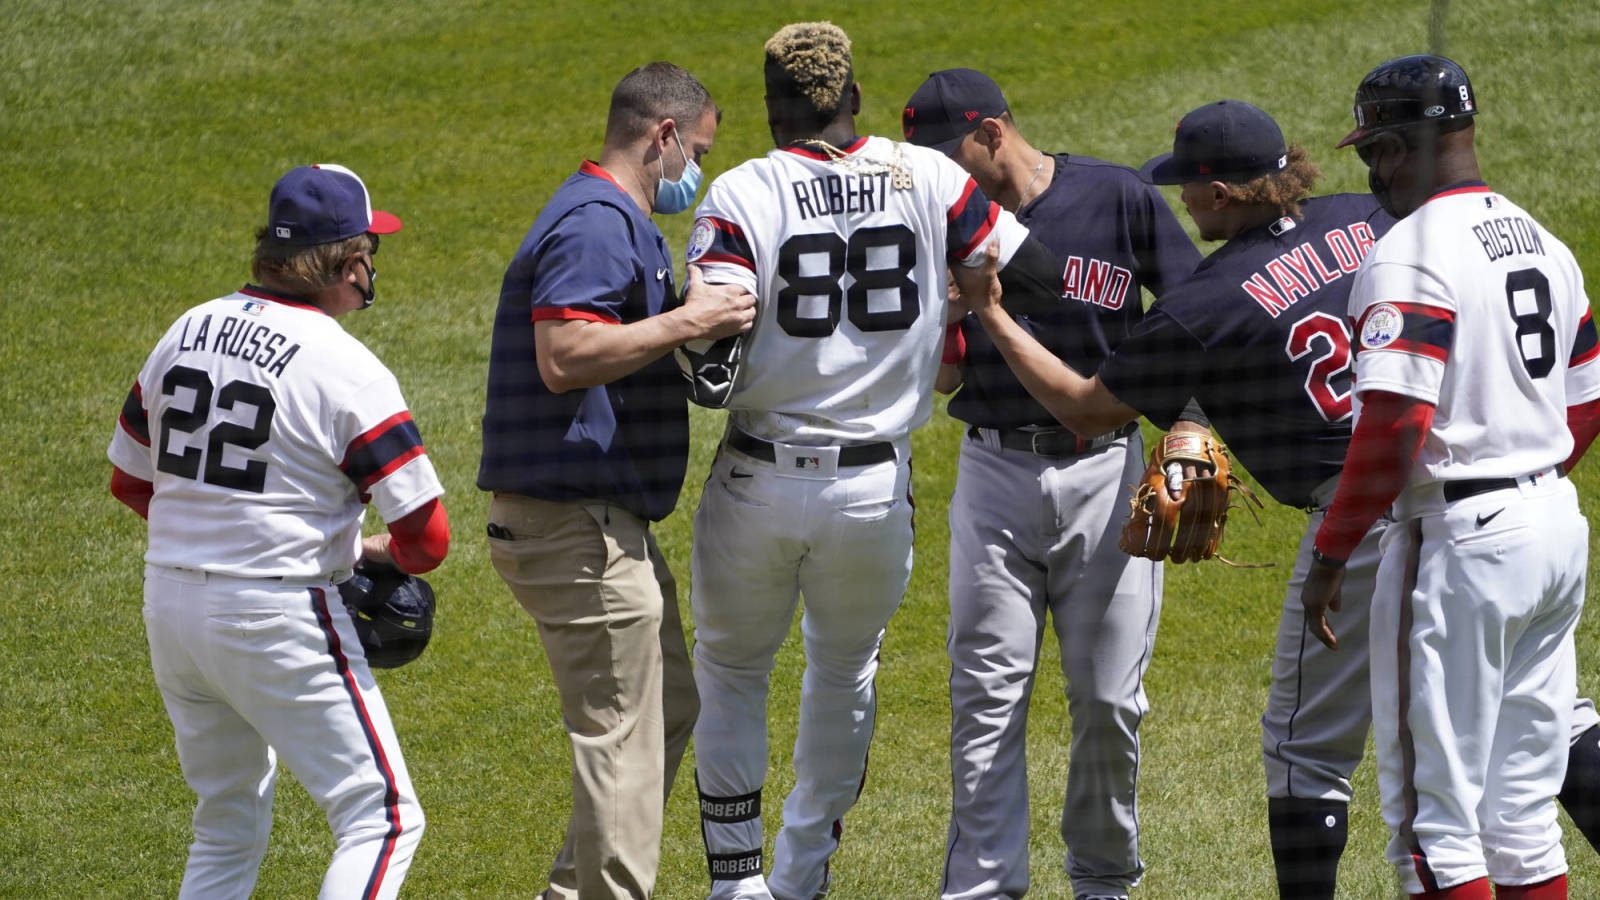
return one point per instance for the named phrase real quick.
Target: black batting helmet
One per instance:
(392, 611)
(1408, 91)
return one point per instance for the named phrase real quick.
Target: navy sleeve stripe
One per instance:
(1586, 345)
(729, 245)
(971, 217)
(134, 419)
(383, 449)
(1425, 330)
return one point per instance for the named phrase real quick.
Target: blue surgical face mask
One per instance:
(677, 196)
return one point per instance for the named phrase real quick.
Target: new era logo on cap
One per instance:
(948, 106)
(324, 203)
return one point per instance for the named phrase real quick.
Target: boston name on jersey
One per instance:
(240, 338)
(1302, 269)
(835, 195)
(1508, 235)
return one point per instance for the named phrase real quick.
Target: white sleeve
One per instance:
(383, 453)
(719, 243)
(1405, 326)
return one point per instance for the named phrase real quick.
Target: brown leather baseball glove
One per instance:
(1188, 527)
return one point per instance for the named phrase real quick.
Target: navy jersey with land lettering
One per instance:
(1259, 336)
(1114, 235)
(591, 254)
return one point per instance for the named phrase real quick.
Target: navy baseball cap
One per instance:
(321, 204)
(949, 106)
(1228, 140)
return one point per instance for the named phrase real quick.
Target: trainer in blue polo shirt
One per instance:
(585, 443)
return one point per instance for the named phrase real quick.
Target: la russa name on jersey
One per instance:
(1309, 265)
(240, 338)
(839, 194)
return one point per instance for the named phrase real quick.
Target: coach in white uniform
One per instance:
(252, 441)
(1477, 377)
(845, 242)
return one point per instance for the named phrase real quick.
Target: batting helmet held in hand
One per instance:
(393, 613)
(1408, 91)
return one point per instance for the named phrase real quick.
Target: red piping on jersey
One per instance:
(960, 206)
(137, 397)
(983, 232)
(261, 293)
(1586, 324)
(711, 256)
(1473, 188)
(372, 434)
(808, 153)
(593, 168)
(1408, 345)
(391, 793)
(546, 313)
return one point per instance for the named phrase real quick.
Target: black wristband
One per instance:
(1316, 556)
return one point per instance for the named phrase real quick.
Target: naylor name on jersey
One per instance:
(249, 341)
(836, 195)
(1303, 269)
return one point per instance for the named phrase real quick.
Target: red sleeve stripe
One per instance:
(1586, 346)
(960, 205)
(728, 245)
(1426, 331)
(134, 420)
(982, 234)
(545, 313)
(382, 450)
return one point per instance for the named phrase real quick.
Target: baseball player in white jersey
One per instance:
(1477, 381)
(256, 434)
(845, 240)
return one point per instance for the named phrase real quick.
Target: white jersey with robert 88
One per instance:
(847, 251)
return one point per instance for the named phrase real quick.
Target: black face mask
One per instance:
(370, 292)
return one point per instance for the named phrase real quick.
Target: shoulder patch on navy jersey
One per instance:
(1382, 326)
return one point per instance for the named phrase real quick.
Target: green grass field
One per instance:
(138, 141)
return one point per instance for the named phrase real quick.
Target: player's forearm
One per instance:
(1583, 421)
(1382, 451)
(1084, 405)
(419, 540)
(577, 354)
(132, 492)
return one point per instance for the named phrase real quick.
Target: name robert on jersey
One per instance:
(834, 195)
(249, 341)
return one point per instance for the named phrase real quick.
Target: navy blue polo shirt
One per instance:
(1260, 336)
(591, 254)
(1114, 235)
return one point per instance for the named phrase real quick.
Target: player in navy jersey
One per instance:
(1034, 516)
(1257, 337)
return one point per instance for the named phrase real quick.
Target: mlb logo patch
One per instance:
(282, 232)
(254, 307)
(809, 463)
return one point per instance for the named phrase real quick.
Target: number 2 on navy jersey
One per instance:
(1322, 332)
(880, 258)
(252, 476)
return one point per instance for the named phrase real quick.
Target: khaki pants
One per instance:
(606, 606)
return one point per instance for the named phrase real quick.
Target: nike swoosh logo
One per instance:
(735, 473)
(660, 274)
(1484, 520)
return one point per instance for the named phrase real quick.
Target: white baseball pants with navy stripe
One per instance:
(252, 670)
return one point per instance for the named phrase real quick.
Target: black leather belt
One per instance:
(849, 455)
(1472, 487)
(1054, 442)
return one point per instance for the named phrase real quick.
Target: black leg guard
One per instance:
(1308, 836)
(1580, 793)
